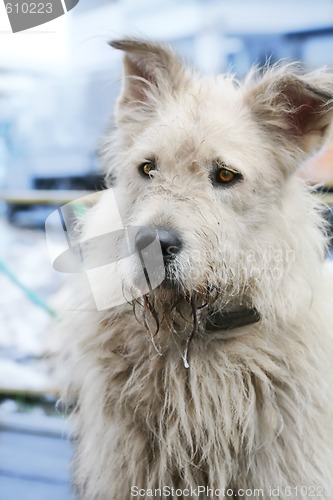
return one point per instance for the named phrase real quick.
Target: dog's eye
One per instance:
(226, 176)
(146, 168)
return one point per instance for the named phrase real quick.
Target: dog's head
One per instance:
(206, 165)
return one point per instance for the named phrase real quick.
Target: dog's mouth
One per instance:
(188, 314)
(178, 313)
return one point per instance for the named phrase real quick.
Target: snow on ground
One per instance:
(24, 318)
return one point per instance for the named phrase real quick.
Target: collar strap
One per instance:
(229, 320)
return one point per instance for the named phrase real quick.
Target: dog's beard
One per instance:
(171, 311)
(175, 313)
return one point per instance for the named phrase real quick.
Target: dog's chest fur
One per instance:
(213, 421)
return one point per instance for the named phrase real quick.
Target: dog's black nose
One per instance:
(169, 241)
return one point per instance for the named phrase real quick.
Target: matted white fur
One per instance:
(254, 409)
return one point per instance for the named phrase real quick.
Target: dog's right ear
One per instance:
(296, 109)
(150, 71)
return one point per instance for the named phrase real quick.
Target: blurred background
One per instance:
(58, 84)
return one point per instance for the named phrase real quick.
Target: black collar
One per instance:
(229, 320)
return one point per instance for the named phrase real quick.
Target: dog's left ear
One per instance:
(150, 72)
(295, 109)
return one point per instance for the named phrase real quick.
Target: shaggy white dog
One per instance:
(218, 381)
